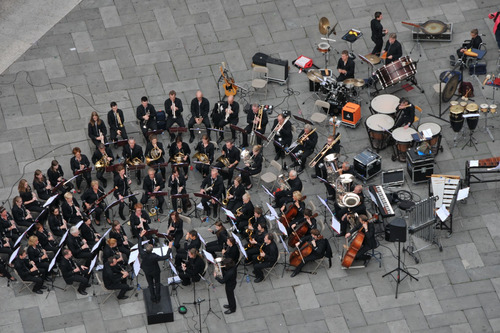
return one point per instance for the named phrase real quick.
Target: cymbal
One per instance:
(349, 81)
(359, 82)
(324, 25)
(314, 75)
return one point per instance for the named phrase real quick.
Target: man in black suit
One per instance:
(285, 196)
(193, 269)
(378, 33)
(157, 147)
(230, 116)
(173, 109)
(153, 183)
(268, 255)
(253, 119)
(228, 278)
(212, 185)
(115, 278)
(28, 271)
(405, 113)
(72, 272)
(132, 151)
(122, 185)
(232, 153)
(306, 146)
(79, 246)
(116, 122)
(345, 66)
(146, 113)
(149, 264)
(200, 107)
(393, 49)
(283, 135)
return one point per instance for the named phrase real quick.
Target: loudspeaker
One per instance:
(395, 231)
(278, 69)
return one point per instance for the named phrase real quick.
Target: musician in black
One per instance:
(4, 271)
(393, 48)
(8, 227)
(29, 199)
(116, 122)
(369, 242)
(244, 213)
(46, 238)
(345, 67)
(104, 156)
(474, 43)
(285, 195)
(21, 215)
(57, 223)
(173, 109)
(71, 209)
(218, 113)
(97, 129)
(146, 114)
(229, 273)
(149, 264)
(56, 176)
(155, 147)
(298, 202)
(153, 183)
(111, 249)
(231, 250)
(345, 214)
(268, 255)
(307, 218)
(283, 137)
(122, 185)
(114, 277)
(193, 269)
(133, 155)
(230, 116)
(139, 220)
(122, 241)
(217, 245)
(207, 148)
(255, 241)
(322, 169)
(307, 141)
(89, 233)
(79, 162)
(177, 184)
(79, 246)
(232, 154)
(253, 166)
(90, 201)
(213, 186)
(179, 154)
(254, 121)
(378, 33)
(37, 254)
(405, 113)
(320, 249)
(200, 107)
(28, 271)
(192, 242)
(73, 272)
(175, 229)
(42, 186)
(235, 197)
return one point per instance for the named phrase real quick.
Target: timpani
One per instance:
(378, 126)
(435, 141)
(384, 104)
(402, 142)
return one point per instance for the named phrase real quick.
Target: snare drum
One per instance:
(483, 107)
(403, 138)
(435, 141)
(385, 104)
(493, 108)
(377, 126)
(324, 47)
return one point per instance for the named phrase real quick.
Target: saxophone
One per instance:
(226, 200)
(259, 257)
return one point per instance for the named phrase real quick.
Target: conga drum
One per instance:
(484, 108)
(435, 141)
(403, 140)
(377, 126)
(385, 104)
(472, 108)
(493, 108)
(457, 118)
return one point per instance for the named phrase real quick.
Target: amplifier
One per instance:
(446, 36)
(278, 70)
(367, 164)
(351, 115)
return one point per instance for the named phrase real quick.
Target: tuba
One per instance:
(350, 200)
(154, 155)
(343, 186)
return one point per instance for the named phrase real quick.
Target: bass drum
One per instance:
(337, 99)
(396, 71)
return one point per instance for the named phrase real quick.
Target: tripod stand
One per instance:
(417, 44)
(398, 271)
(209, 284)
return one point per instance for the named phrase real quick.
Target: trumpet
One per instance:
(226, 200)
(259, 257)
(323, 152)
(276, 131)
(227, 112)
(173, 110)
(146, 121)
(119, 119)
(154, 154)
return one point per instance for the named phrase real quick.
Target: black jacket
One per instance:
(369, 239)
(98, 155)
(407, 115)
(168, 107)
(174, 184)
(22, 267)
(237, 193)
(256, 164)
(88, 233)
(149, 260)
(208, 150)
(251, 116)
(132, 153)
(89, 196)
(218, 187)
(179, 227)
(141, 112)
(377, 29)
(233, 117)
(200, 109)
(285, 135)
(149, 147)
(233, 252)
(67, 267)
(69, 212)
(40, 188)
(149, 184)
(311, 141)
(111, 275)
(53, 175)
(228, 277)
(113, 121)
(348, 66)
(395, 50)
(295, 184)
(122, 186)
(19, 214)
(232, 154)
(271, 252)
(35, 254)
(75, 245)
(185, 150)
(193, 244)
(93, 131)
(247, 211)
(75, 165)
(195, 268)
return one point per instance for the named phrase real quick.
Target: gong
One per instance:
(450, 88)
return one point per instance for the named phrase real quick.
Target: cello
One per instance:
(355, 245)
(299, 232)
(297, 256)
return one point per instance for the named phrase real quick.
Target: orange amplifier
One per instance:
(351, 114)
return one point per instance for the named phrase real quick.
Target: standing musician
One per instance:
(131, 153)
(369, 242)
(29, 199)
(181, 149)
(255, 241)
(70, 209)
(78, 162)
(57, 223)
(119, 234)
(46, 238)
(72, 272)
(231, 250)
(406, 113)
(308, 219)
(343, 214)
(254, 121)
(284, 196)
(192, 242)
(193, 269)
(177, 184)
(173, 109)
(244, 213)
(41, 186)
(230, 116)
(103, 154)
(114, 277)
(307, 143)
(229, 274)
(97, 129)
(297, 202)
(28, 271)
(320, 249)
(90, 197)
(154, 144)
(345, 67)
(146, 114)
(283, 135)
(149, 264)
(378, 32)
(268, 255)
(89, 233)
(253, 166)
(200, 107)
(116, 122)
(393, 49)
(122, 185)
(218, 244)
(175, 229)
(79, 246)
(234, 195)
(207, 148)
(232, 153)
(212, 185)
(153, 182)
(320, 167)
(37, 254)
(139, 220)
(22, 216)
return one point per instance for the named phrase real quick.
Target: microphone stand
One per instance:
(209, 284)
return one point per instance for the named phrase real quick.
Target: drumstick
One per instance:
(385, 129)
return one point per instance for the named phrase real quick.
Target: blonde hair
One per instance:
(32, 240)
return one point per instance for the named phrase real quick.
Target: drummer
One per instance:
(393, 49)
(345, 66)
(405, 113)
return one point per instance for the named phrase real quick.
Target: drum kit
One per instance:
(327, 30)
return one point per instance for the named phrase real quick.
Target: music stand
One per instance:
(350, 42)
(156, 132)
(173, 130)
(51, 267)
(179, 196)
(237, 129)
(79, 172)
(304, 120)
(135, 167)
(369, 69)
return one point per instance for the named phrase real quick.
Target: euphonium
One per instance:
(226, 200)
(154, 154)
(283, 183)
(224, 160)
(259, 258)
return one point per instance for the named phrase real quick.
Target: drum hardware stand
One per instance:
(398, 271)
(417, 44)
(460, 80)
(472, 141)
(327, 53)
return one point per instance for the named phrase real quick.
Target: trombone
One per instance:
(323, 152)
(275, 131)
(256, 126)
(300, 141)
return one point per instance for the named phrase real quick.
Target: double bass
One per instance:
(299, 232)
(355, 245)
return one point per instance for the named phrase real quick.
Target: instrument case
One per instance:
(367, 164)
(419, 167)
(394, 177)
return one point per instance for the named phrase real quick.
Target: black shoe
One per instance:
(314, 176)
(294, 274)
(160, 210)
(122, 297)
(43, 287)
(82, 292)
(138, 181)
(277, 157)
(229, 311)
(219, 140)
(226, 306)
(258, 280)
(130, 288)
(39, 292)
(191, 139)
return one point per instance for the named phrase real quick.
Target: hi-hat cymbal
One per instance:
(315, 75)
(349, 81)
(359, 82)
(324, 25)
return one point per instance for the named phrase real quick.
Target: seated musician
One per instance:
(393, 49)
(283, 136)
(232, 154)
(173, 109)
(320, 167)
(42, 186)
(71, 209)
(8, 226)
(244, 213)
(146, 114)
(253, 166)
(255, 241)
(153, 183)
(320, 249)
(192, 242)
(156, 147)
(72, 272)
(308, 219)
(119, 234)
(97, 129)
(212, 185)
(192, 269)
(344, 214)
(79, 162)
(200, 107)
(122, 185)
(56, 175)
(231, 250)
(405, 113)
(131, 153)
(230, 116)
(306, 146)
(89, 233)
(116, 123)
(369, 242)
(258, 217)
(474, 43)
(235, 196)
(90, 197)
(114, 277)
(29, 199)
(254, 121)
(58, 225)
(21, 215)
(207, 148)
(37, 254)
(345, 67)
(177, 184)
(79, 246)
(111, 249)
(102, 154)
(284, 196)
(5, 272)
(218, 244)
(182, 150)
(175, 228)
(28, 271)
(267, 257)
(46, 238)
(139, 220)
(6, 246)
(298, 202)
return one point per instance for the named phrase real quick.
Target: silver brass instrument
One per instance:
(227, 112)
(323, 151)
(283, 183)
(275, 131)
(218, 267)
(343, 186)
(154, 154)
(173, 110)
(146, 121)
(350, 200)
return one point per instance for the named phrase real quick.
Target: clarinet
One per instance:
(74, 266)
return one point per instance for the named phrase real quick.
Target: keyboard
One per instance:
(383, 204)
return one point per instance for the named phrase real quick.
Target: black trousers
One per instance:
(100, 176)
(226, 173)
(99, 210)
(78, 278)
(307, 259)
(181, 254)
(282, 197)
(259, 266)
(192, 122)
(497, 36)
(231, 300)
(37, 280)
(160, 201)
(122, 285)
(132, 201)
(206, 205)
(113, 134)
(213, 247)
(183, 202)
(379, 42)
(203, 169)
(170, 121)
(80, 178)
(4, 271)
(246, 178)
(223, 123)
(232, 205)
(150, 126)
(154, 286)
(35, 206)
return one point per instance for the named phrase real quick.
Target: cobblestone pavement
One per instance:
(105, 50)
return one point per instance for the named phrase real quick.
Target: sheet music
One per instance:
(92, 264)
(137, 267)
(202, 240)
(267, 191)
(96, 246)
(325, 204)
(22, 235)
(229, 213)
(209, 256)
(463, 193)
(273, 211)
(284, 245)
(242, 248)
(335, 224)
(133, 255)
(53, 261)
(14, 255)
(173, 280)
(442, 213)
(172, 267)
(79, 224)
(161, 251)
(372, 197)
(282, 228)
(50, 200)
(63, 238)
